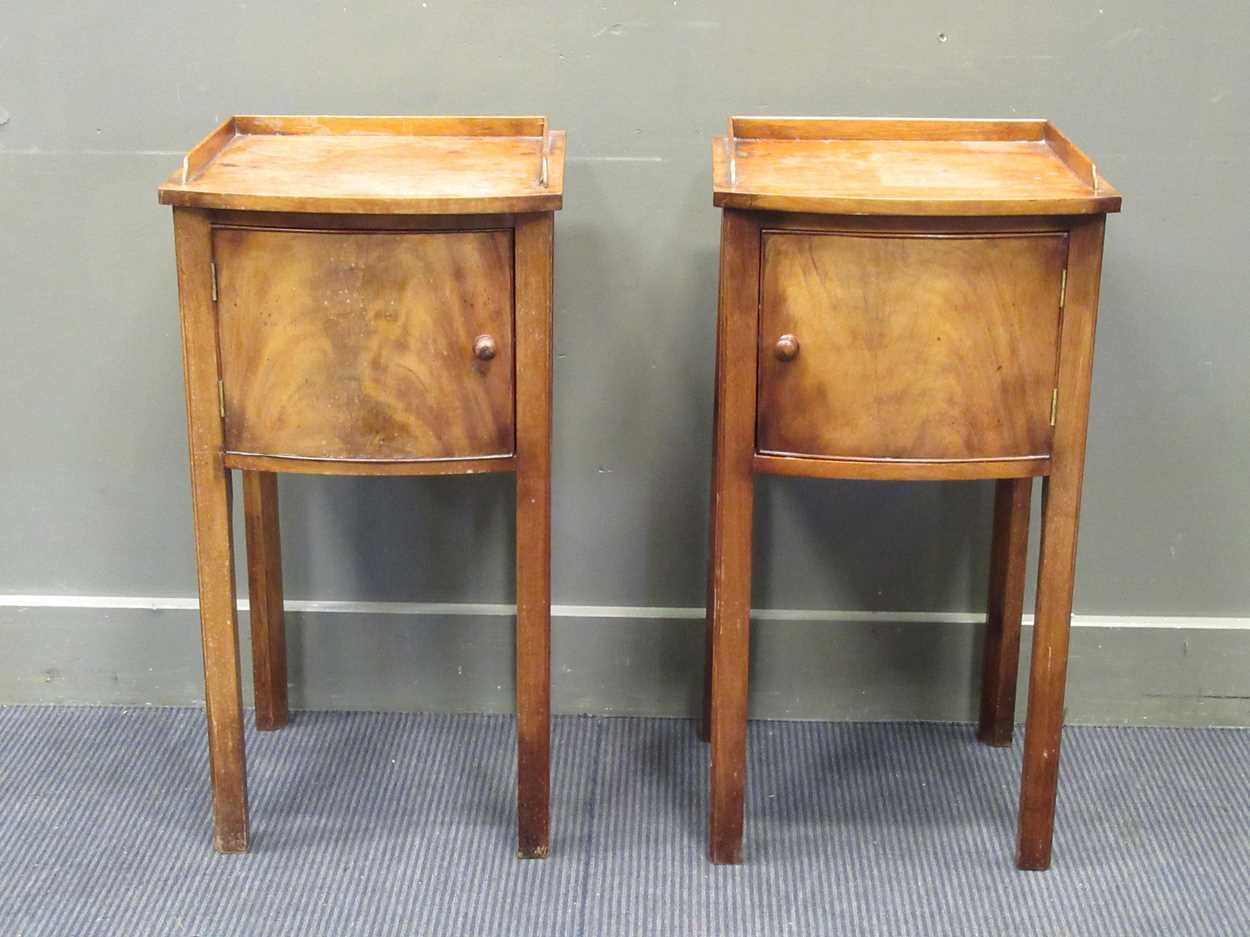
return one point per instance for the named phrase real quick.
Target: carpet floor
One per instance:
(390, 823)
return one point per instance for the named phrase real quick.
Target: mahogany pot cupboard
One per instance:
(899, 299)
(906, 299)
(364, 296)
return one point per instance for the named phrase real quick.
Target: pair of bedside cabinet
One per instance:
(899, 299)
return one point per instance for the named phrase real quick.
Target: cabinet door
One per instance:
(360, 345)
(924, 347)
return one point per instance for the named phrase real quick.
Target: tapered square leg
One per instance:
(223, 697)
(1005, 607)
(730, 647)
(533, 650)
(533, 537)
(214, 548)
(1061, 505)
(709, 640)
(729, 583)
(1040, 776)
(264, 580)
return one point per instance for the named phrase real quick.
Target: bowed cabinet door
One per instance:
(926, 347)
(366, 345)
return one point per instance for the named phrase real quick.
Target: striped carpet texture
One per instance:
(380, 824)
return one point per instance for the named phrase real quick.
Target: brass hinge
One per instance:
(1054, 405)
(212, 269)
(221, 402)
(1063, 288)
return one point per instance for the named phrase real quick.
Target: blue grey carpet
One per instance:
(379, 824)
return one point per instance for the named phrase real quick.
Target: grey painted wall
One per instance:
(852, 668)
(99, 100)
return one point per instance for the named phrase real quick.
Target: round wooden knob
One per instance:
(484, 347)
(787, 348)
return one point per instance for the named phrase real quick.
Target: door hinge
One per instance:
(221, 402)
(1063, 288)
(1054, 405)
(212, 270)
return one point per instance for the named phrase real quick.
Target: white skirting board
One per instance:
(806, 664)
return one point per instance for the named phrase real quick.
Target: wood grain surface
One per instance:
(264, 583)
(449, 165)
(301, 466)
(950, 470)
(1061, 508)
(535, 246)
(360, 345)
(1000, 668)
(729, 566)
(931, 347)
(214, 536)
(905, 167)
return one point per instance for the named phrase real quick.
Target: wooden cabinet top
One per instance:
(905, 167)
(374, 165)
